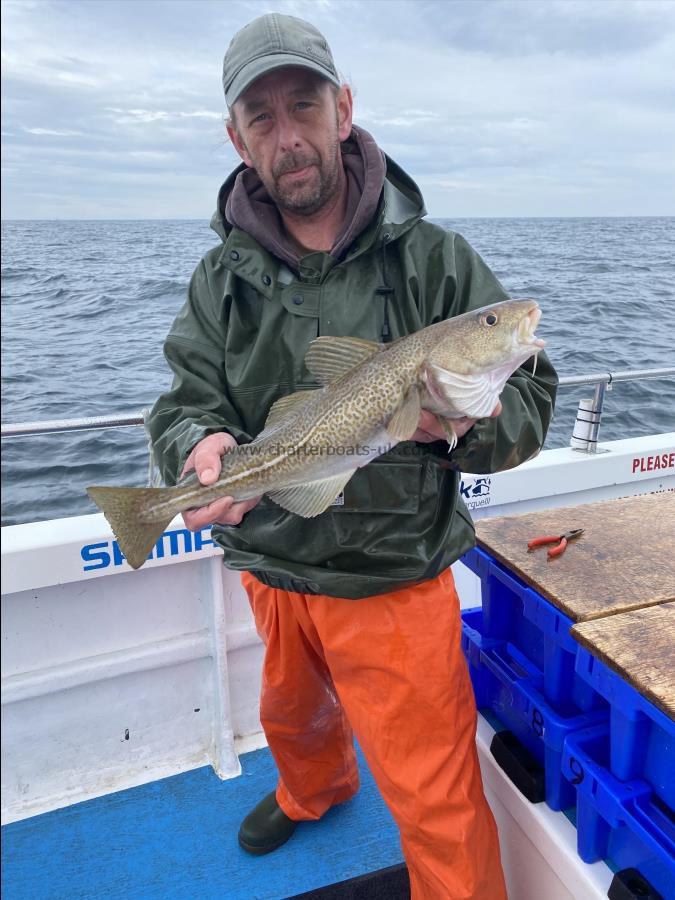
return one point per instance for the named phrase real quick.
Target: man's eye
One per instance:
(303, 104)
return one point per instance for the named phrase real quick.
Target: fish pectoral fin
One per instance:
(468, 395)
(403, 424)
(329, 358)
(309, 500)
(282, 407)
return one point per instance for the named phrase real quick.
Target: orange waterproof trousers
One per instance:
(391, 667)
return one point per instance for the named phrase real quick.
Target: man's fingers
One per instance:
(195, 519)
(428, 428)
(238, 510)
(224, 511)
(427, 421)
(219, 508)
(423, 437)
(207, 462)
(208, 475)
(236, 514)
(205, 458)
(206, 515)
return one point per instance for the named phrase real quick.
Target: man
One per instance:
(324, 234)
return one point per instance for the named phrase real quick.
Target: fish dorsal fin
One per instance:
(329, 358)
(282, 407)
(403, 424)
(311, 499)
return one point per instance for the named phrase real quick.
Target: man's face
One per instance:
(288, 126)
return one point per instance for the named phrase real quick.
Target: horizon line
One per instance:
(444, 217)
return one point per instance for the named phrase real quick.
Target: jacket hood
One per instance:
(399, 205)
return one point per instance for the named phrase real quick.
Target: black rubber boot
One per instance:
(266, 827)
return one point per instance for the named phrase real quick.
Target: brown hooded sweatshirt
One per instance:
(250, 208)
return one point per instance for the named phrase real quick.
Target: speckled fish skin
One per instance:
(454, 368)
(352, 412)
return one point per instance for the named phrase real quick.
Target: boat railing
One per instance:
(584, 436)
(589, 412)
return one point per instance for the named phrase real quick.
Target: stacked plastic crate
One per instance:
(573, 732)
(624, 769)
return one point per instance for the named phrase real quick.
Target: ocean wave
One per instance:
(83, 332)
(152, 290)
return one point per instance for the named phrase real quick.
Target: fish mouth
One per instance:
(527, 327)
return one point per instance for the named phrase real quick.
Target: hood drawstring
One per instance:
(384, 291)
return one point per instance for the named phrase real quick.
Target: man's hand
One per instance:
(430, 429)
(205, 460)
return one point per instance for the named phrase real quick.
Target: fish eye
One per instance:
(491, 319)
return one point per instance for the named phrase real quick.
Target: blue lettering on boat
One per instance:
(97, 555)
(171, 543)
(476, 487)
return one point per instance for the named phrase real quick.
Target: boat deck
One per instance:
(177, 838)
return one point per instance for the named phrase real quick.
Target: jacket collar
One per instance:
(401, 207)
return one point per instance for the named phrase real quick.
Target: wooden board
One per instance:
(624, 560)
(640, 646)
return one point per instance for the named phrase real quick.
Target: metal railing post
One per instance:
(587, 424)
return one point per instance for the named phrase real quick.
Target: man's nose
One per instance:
(287, 132)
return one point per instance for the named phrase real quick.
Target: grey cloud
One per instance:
(571, 27)
(53, 132)
(494, 107)
(150, 116)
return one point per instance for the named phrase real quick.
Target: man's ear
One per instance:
(344, 104)
(238, 143)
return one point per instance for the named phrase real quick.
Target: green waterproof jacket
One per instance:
(239, 344)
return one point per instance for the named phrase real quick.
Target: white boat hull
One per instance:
(113, 678)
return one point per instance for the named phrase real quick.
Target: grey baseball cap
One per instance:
(270, 42)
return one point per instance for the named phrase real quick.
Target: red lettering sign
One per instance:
(651, 463)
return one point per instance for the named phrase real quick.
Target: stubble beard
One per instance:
(321, 186)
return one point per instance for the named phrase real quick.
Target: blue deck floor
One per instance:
(177, 838)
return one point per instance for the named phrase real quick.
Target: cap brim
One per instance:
(258, 67)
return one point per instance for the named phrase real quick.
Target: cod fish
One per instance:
(371, 398)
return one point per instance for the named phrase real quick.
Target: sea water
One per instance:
(86, 307)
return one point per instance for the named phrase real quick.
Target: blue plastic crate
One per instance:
(506, 683)
(642, 738)
(514, 612)
(472, 644)
(622, 822)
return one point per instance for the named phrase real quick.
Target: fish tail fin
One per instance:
(130, 513)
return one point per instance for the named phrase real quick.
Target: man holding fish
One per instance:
(345, 557)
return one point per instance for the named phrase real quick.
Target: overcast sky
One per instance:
(114, 108)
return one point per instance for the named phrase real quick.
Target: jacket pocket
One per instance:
(382, 487)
